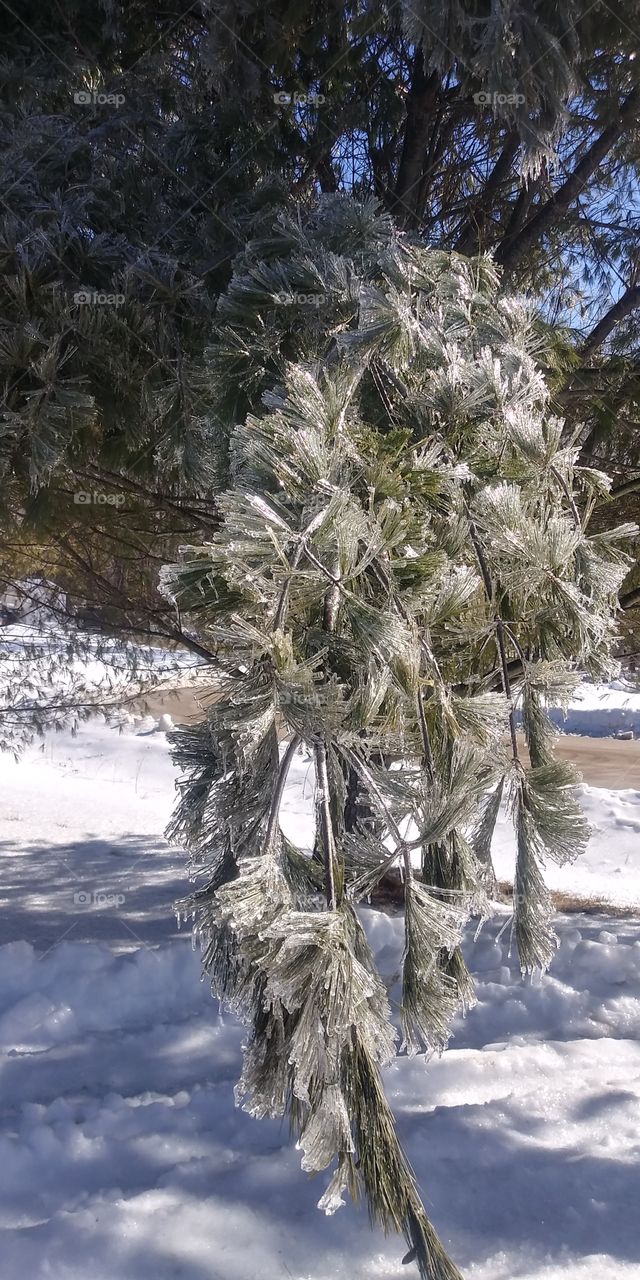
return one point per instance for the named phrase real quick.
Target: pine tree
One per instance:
(122, 205)
(138, 143)
(402, 568)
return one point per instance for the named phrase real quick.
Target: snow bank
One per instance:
(609, 869)
(600, 710)
(122, 1156)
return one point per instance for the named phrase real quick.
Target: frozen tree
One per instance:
(403, 569)
(182, 129)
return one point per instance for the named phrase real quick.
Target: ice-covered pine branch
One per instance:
(403, 569)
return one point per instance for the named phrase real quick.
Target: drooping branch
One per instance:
(329, 622)
(328, 838)
(504, 665)
(278, 791)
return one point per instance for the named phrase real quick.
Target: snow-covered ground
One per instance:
(59, 677)
(122, 1156)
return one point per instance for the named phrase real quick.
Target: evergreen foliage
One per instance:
(122, 205)
(483, 126)
(400, 532)
(397, 546)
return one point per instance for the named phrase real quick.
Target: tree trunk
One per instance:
(420, 106)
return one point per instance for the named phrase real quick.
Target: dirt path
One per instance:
(603, 762)
(183, 705)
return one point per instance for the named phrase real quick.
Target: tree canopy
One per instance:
(143, 145)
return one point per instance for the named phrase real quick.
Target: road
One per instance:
(603, 762)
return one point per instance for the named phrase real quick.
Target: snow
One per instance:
(54, 635)
(600, 710)
(609, 870)
(80, 828)
(50, 673)
(121, 1154)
